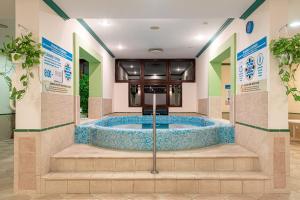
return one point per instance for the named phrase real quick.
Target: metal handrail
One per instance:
(154, 170)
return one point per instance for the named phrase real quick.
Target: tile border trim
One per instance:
(244, 16)
(57, 9)
(43, 129)
(65, 17)
(262, 129)
(251, 9)
(212, 39)
(7, 114)
(95, 36)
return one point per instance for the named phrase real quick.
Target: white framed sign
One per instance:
(57, 68)
(252, 67)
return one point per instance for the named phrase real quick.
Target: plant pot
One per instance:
(17, 58)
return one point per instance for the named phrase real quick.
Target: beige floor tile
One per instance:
(225, 164)
(56, 187)
(165, 186)
(125, 164)
(100, 186)
(252, 187)
(209, 186)
(187, 186)
(204, 164)
(144, 186)
(243, 164)
(231, 187)
(85, 164)
(164, 164)
(184, 164)
(104, 164)
(78, 186)
(122, 186)
(143, 164)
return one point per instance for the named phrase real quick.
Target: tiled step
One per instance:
(81, 158)
(145, 182)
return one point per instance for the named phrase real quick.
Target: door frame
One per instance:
(226, 50)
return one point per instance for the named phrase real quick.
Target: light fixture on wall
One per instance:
(3, 26)
(294, 24)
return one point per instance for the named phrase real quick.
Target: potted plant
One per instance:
(287, 52)
(22, 51)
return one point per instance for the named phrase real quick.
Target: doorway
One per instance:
(88, 90)
(222, 82)
(161, 98)
(84, 87)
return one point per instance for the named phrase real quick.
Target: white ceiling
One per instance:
(180, 22)
(177, 37)
(154, 8)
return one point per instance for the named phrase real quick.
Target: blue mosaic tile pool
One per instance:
(200, 132)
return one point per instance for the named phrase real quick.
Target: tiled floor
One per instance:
(6, 184)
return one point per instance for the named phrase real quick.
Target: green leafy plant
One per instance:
(84, 93)
(28, 52)
(287, 51)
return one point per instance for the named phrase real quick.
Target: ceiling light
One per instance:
(154, 28)
(131, 66)
(155, 50)
(178, 69)
(199, 37)
(134, 72)
(105, 23)
(120, 47)
(295, 24)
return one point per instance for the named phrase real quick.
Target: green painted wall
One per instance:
(226, 50)
(81, 50)
(95, 77)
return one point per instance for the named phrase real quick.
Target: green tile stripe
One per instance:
(95, 36)
(251, 9)
(64, 16)
(244, 16)
(7, 114)
(57, 9)
(263, 129)
(220, 30)
(43, 129)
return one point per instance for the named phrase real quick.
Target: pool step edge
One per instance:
(164, 182)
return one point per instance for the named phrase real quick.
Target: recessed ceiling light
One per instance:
(178, 69)
(199, 37)
(155, 50)
(105, 23)
(131, 66)
(295, 24)
(154, 28)
(134, 72)
(120, 47)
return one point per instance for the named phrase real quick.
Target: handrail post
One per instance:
(154, 171)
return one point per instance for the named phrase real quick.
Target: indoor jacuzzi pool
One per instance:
(173, 133)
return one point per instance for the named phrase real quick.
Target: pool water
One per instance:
(150, 126)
